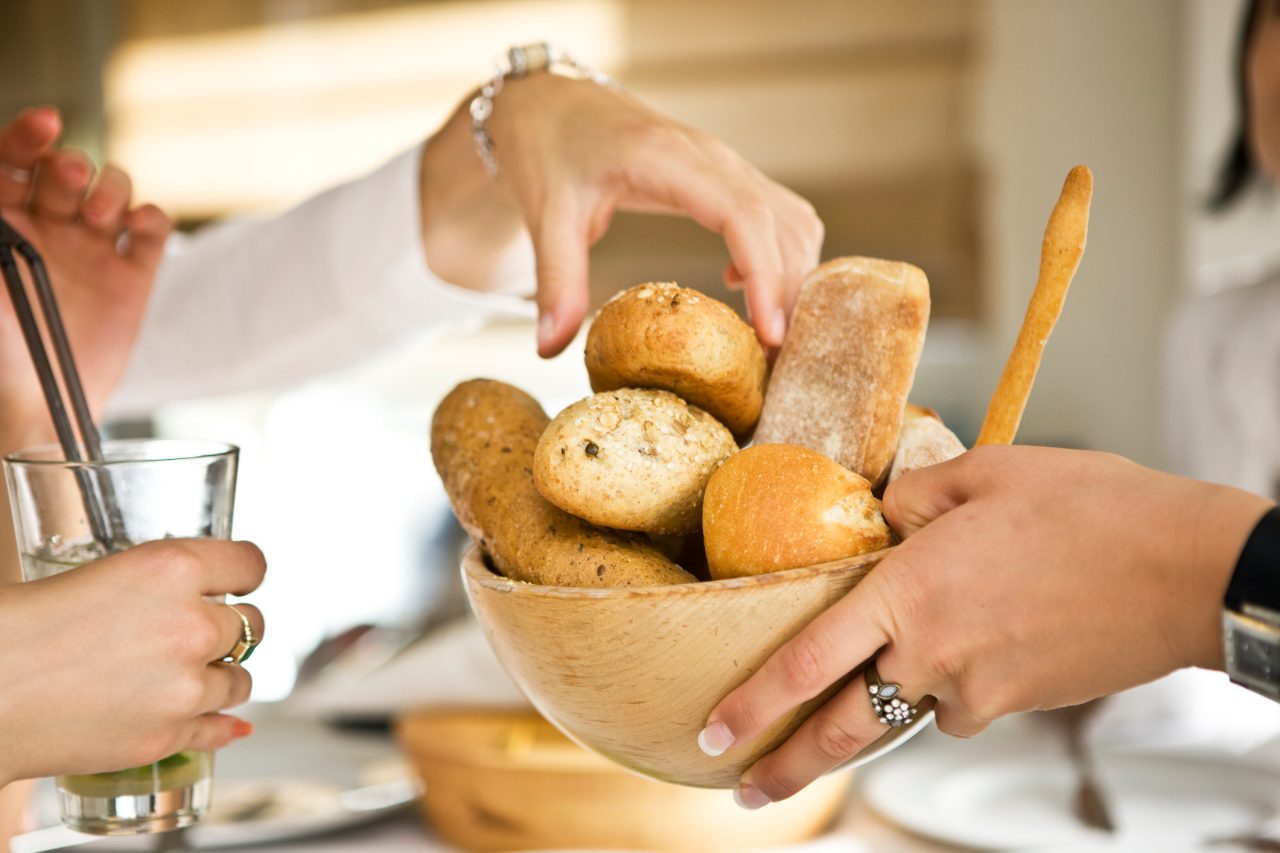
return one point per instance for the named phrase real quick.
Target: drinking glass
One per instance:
(149, 489)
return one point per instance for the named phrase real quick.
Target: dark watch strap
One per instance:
(1256, 581)
(1251, 618)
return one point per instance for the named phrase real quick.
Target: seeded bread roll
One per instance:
(482, 439)
(664, 336)
(633, 459)
(782, 506)
(841, 381)
(925, 441)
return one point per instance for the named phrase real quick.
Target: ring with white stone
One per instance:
(891, 709)
(15, 173)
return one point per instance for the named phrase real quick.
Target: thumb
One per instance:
(560, 246)
(922, 496)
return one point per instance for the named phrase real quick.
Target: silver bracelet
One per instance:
(520, 62)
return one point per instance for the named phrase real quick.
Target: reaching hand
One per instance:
(571, 154)
(101, 252)
(1029, 578)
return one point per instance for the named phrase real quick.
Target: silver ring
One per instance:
(891, 709)
(13, 173)
(245, 645)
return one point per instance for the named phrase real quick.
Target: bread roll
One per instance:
(925, 441)
(782, 506)
(482, 439)
(632, 459)
(842, 378)
(679, 340)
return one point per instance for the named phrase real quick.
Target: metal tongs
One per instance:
(96, 491)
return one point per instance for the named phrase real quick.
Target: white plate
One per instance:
(1010, 789)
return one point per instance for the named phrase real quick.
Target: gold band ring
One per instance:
(244, 646)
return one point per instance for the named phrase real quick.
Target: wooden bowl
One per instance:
(632, 673)
(509, 781)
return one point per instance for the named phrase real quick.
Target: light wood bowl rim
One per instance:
(478, 571)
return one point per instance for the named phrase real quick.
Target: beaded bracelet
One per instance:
(519, 62)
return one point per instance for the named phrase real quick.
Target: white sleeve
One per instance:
(255, 304)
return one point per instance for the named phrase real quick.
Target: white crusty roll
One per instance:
(925, 441)
(782, 506)
(841, 381)
(631, 459)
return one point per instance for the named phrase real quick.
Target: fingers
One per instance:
(234, 568)
(211, 566)
(213, 731)
(832, 736)
(60, 183)
(231, 627)
(105, 206)
(146, 230)
(22, 143)
(226, 686)
(800, 235)
(561, 247)
(832, 645)
(716, 194)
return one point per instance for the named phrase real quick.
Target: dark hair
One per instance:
(1239, 170)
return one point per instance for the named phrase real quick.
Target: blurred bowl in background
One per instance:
(509, 781)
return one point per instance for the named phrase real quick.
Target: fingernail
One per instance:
(778, 326)
(715, 739)
(546, 327)
(750, 797)
(241, 728)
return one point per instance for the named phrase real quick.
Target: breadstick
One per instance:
(1064, 239)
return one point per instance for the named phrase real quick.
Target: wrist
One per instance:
(1223, 521)
(467, 217)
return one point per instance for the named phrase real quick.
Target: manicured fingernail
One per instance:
(241, 728)
(750, 797)
(546, 327)
(715, 739)
(778, 326)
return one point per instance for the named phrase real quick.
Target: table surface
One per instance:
(287, 747)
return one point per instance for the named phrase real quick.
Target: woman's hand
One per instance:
(76, 220)
(1029, 578)
(571, 154)
(115, 664)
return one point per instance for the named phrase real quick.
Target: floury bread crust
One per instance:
(664, 336)
(925, 441)
(841, 381)
(782, 506)
(632, 459)
(483, 436)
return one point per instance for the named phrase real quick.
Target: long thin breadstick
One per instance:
(1064, 239)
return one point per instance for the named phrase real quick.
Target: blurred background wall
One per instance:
(935, 131)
